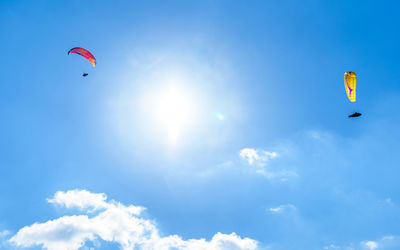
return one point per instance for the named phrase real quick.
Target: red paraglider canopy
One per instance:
(83, 52)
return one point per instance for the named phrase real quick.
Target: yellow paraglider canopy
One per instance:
(350, 83)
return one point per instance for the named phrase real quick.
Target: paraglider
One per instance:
(350, 84)
(85, 53)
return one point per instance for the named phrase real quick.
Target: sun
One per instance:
(175, 113)
(167, 112)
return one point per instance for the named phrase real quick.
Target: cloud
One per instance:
(3, 239)
(258, 159)
(388, 242)
(371, 245)
(335, 247)
(282, 208)
(113, 222)
(331, 246)
(80, 199)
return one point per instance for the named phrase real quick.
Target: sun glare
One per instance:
(165, 111)
(174, 113)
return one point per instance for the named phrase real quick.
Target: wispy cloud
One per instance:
(282, 208)
(331, 247)
(386, 242)
(258, 160)
(114, 222)
(257, 157)
(335, 247)
(4, 244)
(4, 233)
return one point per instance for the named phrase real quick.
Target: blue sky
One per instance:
(227, 121)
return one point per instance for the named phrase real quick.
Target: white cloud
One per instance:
(112, 222)
(282, 208)
(219, 241)
(371, 245)
(384, 243)
(81, 199)
(258, 159)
